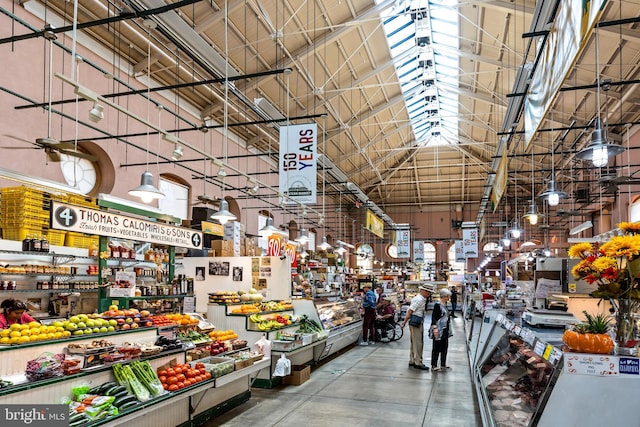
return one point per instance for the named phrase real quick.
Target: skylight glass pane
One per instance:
(413, 43)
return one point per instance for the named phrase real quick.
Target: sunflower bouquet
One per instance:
(614, 267)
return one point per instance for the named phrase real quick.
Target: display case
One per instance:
(521, 379)
(336, 314)
(340, 318)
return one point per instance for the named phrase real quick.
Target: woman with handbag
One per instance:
(440, 331)
(415, 317)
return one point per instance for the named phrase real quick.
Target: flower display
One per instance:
(613, 267)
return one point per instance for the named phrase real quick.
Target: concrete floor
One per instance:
(370, 386)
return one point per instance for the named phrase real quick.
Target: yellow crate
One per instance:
(74, 199)
(21, 233)
(56, 237)
(80, 240)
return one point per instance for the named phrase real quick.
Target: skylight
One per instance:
(422, 36)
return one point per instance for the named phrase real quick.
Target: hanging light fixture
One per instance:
(147, 191)
(551, 194)
(532, 215)
(341, 250)
(223, 215)
(324, 245)
(506, 241)
(600, 148)
(268, 228)
(303, 238)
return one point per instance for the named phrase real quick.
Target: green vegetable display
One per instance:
(125, 376)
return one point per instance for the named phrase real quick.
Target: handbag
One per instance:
(415, 320)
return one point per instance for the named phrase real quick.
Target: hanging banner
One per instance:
(459, 251)
(500, 182)
(298, 163)
(403, 240)
(93, 221)
(567, 38)
(418, 251)
(470, 242)
(375, 224)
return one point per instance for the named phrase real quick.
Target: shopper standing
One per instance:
(454, 301)
(440, 329)
(416, 332)
(379, 295)
(369, 306)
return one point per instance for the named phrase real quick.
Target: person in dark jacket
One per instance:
(439, 332)
(454, 301)
(369, 318)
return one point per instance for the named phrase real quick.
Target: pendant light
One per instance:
(224, 215)
(147, 191)
(600, 148)
(268, 228)
(303, 238)
(532, 215)
(324, 245)
(551, 194)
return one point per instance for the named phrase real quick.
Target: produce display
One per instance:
(308, 326)
(139, 378)
(168, 343)
(102, 401)
(223, 335)
(218, 347)
(224, 297)
(128, 318)
(161, 320)
(194, 337)
(182, 319)
(92, 347)
(183, 375)
(47, 365)
(31, 332)
(218, 366)
(267, 324)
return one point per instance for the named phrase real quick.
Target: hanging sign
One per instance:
(93, 221)
(375, 224)
(459, 250)
(418, 251)
(403, 240)
(470, 242)
(298, 163)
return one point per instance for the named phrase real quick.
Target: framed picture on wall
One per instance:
(217, 268)
(237, 274)
(200, 274)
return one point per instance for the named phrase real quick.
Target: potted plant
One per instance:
(590, 337)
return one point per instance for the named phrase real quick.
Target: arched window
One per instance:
(429, 254)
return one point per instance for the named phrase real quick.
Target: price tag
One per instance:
(539, 347)
(547, 352)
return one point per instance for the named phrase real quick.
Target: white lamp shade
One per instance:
(223, 215)
(146, 191)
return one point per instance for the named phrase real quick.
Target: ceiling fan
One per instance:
(52, 147)
(610, 183)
